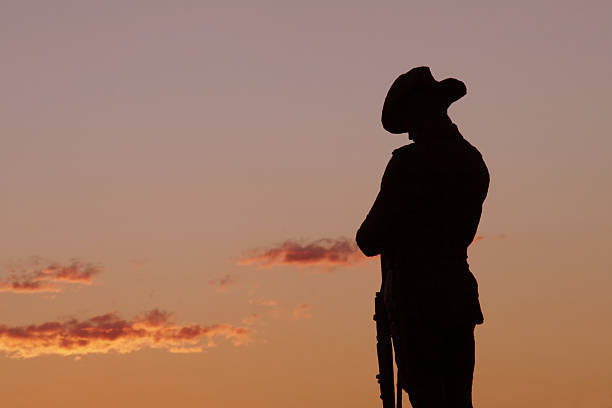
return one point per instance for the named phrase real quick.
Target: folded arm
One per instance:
(375, 231)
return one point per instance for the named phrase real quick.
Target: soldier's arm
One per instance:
(375, 230)
(370, 235)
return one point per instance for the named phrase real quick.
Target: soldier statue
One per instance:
(423, 220)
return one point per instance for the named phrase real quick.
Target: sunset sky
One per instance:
(182, 182)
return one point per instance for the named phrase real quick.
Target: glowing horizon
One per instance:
(209, 164)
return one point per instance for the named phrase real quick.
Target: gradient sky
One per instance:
(162, 145)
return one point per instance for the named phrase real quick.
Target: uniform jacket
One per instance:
(422, 221)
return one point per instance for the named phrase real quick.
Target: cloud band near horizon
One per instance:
(109, 333)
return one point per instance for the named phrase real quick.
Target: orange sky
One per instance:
(182, 182)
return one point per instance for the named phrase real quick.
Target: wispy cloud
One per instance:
(46, 279)
(251, 319)
(326, 252)
(222, 284)
(27, 286)
(270, 303)
(109, 333)
(301, 312)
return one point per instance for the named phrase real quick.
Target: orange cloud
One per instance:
(109, 333)
(325, 252)
(250, 320)
(264, 302)
(43, 280)
(223, 283)
(302, 312)
(27, 286)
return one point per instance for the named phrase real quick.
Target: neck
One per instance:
(434, 130)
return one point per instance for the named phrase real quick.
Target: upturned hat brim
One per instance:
(413, 90)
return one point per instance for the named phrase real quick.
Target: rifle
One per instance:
(384, 349)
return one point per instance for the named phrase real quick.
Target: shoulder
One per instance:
(402, 157)
(400, 164)
(405, 150)
(474, 155)
(474, 166)
(406, 155)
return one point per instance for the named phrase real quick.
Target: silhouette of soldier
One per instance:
(422, 221)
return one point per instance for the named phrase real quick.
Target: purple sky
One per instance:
(161, 140)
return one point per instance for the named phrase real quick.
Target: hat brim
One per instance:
(398, 105)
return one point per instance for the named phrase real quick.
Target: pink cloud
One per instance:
(27, 286)
(324, 252)
(222, 284)
(109, 333)
(46, 279)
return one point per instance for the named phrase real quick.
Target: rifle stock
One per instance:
(384, 346)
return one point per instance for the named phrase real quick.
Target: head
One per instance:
(426, 120)
(417, 104)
